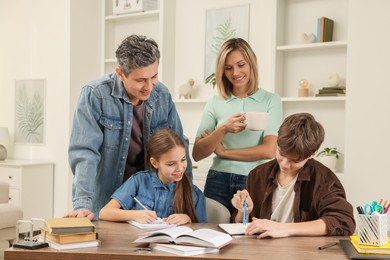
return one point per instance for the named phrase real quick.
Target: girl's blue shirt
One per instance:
(156, 196)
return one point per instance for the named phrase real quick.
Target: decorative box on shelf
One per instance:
(131, 6)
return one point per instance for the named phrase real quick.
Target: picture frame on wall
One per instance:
(223, 24)
(30, 111)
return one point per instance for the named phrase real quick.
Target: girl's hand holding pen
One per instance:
(145, 216)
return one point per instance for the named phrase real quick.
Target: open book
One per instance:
(186, 236)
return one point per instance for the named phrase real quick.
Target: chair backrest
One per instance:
(4, 192)
(216, 212)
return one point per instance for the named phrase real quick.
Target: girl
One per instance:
(165, 190)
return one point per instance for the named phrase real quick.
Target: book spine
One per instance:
(324, 91)
(322, 28)
(319, 29)
(330, 95)
(328, 29)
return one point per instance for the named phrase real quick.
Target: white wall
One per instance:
(35, 44)
(368, 105)
(46, 39)
(190, 36)
(85, 59)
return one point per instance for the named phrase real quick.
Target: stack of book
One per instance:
(331, 91)
(324, 29)
(70, 233)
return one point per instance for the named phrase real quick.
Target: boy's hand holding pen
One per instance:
(243, 203)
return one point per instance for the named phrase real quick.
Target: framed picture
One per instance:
(221, 25)
(30, 111)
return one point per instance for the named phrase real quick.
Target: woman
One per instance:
(222, 129)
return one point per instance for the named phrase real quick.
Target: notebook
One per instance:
(353, 254)
(366, 249)
(233, 228)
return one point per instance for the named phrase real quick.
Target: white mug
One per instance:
(256, 121)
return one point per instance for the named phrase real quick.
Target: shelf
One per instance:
(312, 46)
(132, 15)
(312, 61)
(113, 60)
(190, 101)
(312, 99)
(284, 99)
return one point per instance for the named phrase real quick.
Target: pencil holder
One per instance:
(372, 229)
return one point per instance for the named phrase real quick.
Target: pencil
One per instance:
(327, 245)
(139, 202)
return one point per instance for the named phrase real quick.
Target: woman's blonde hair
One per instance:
(161, 142)
(225, 87)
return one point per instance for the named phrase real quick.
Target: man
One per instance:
(115, 116)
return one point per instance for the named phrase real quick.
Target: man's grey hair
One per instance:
(136, 51)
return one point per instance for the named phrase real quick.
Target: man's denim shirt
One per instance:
(101, 133)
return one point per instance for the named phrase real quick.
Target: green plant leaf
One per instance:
(29, 114)
(211, 79)
(329, 151)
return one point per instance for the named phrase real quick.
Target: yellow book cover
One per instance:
(69, 225)
(70, 238)
(365, 249)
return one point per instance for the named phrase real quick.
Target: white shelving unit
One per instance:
(152, 24)
(31, 186)
(314, 62)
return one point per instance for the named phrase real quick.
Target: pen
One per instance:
(139, 202)
(244, 218)
(387, 208)
(327, 245)
(360, 209)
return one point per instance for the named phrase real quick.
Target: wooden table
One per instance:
(116, 243)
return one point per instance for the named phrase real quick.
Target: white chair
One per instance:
(216, 212)
(10, 214)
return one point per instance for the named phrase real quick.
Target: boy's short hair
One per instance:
(300, 136)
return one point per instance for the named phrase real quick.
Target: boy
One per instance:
(295, 195)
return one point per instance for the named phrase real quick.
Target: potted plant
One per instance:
(211, 79)
(328, 157)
